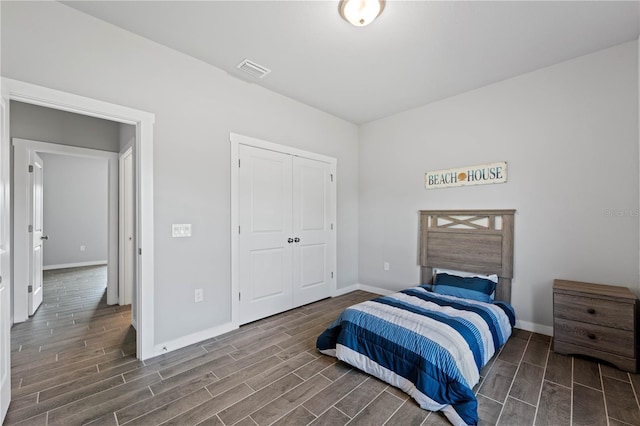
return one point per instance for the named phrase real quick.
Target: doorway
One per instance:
(26, 270)
(143, 154)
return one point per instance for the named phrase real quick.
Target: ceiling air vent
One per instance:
(253, 69)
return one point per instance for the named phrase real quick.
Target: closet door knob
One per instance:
(290, 240)
(296, 240)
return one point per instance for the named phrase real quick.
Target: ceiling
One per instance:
(416, 52)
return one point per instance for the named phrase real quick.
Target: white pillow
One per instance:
(492, 277)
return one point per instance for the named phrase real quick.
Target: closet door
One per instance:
(312, 251)
(265, 253)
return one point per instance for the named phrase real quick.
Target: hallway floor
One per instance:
(75, 339)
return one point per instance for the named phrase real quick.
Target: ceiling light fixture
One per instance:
(360, 12)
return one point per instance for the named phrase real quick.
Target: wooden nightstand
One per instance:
(595, 320)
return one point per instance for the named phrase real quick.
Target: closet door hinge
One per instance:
(239, 296)
(238, 229)
(140, 251)
(332, 226)
(332, 275)
(331, 177)
(30, 168)
(30, 228)
(238, 162)
(30, 289)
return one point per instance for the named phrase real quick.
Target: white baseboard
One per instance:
(190, 339)
(345, 290)
(363, 287)
(536, 328)
(75, 265)
(376, 290)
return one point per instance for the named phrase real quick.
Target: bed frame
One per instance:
(468, 240)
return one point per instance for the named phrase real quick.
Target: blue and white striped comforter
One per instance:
(429, 345)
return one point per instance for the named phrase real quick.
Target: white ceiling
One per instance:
(415, 53)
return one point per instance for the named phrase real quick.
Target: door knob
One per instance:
(44, 237)
(290, 240)
(296, 240)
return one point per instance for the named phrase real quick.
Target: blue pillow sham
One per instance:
(474, 288)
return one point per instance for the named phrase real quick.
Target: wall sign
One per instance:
(463, 176)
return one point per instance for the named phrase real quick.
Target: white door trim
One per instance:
(6, 318)
(236, 140)
(50, 98)
(22, 154)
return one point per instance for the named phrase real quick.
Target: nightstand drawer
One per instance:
(594, 336)
(595, 311)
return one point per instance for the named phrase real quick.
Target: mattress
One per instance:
(429, 345)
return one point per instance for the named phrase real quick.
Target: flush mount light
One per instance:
(360, 12)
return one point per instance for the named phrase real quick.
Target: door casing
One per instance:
(5, 267)
(143, 122)
(23, 151)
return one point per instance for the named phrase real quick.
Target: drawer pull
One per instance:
(591, 336)
(591, 311)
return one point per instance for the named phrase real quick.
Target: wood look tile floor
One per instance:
(74, 363)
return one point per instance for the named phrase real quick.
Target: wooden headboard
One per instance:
(478, 241)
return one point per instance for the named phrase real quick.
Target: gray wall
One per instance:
(569, 133)
(196, 106)
(37, 123)
(126, 136)
(75, 209)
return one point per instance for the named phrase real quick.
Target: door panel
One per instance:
(36, 258)
(311, 210)
(313, 258)
(264, 187)
(267, 273)
(127, 281)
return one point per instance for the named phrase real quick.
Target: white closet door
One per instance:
(311, 226)
(265, 188)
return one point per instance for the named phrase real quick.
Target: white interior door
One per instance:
(127, 218)
(5, 304)
(37, 236)
(312, 255)
(265, 235)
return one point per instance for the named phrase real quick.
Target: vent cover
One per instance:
(253, 69)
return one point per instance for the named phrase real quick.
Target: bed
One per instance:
(432, 340)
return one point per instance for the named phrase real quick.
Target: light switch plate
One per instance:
(199, 295)
(179, 230)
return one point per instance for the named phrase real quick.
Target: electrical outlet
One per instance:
(199, 295)
(83, 248)
(385, 266)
